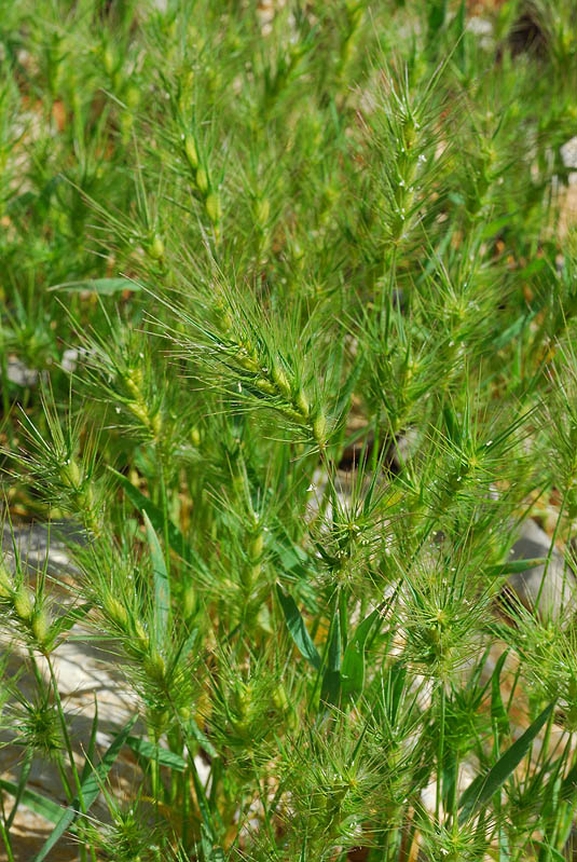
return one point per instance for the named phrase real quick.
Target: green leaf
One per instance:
(144, 505)
(395, 688)
(353, 666)
(291, 558)
(161, 583)
(211, 822)
(484, 786)
(436, 18)
(34, 801)
(154, 752)
(514, 567)
(101, 286)
(550, 853)
(538, 264)
(202, 739)
(91, 750)
(498, 711)
(454, 429)
(89, 790)
(297, 628)
(491, 228)
(513, 331)
(211, 852)
(331, 685)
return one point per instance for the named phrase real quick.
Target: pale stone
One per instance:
(550, 589)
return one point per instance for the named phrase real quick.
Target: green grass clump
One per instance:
(240, 242)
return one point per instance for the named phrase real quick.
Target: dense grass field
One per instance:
(287, 350)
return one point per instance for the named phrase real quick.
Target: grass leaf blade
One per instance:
(353, 666)
(161, 582)
(90, 789)
(484, 786)
(297, 629)
(162, 756)
(34, 801)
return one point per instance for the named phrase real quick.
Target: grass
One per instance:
(242, 247)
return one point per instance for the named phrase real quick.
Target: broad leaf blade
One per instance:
(156, 753)
(297, 629)
(200, 737)
(484, 786)
(498, 711)
(353, 667)
(211, 821)
(34, 801)
(91, 750)
(331, 686)
(515, 567)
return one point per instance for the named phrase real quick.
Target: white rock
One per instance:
(550, 589)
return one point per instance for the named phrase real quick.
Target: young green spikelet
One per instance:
(29, 610)
(254, 367)
(207, 189)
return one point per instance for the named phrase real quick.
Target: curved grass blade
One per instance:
(159, 755)
(297, 629)
(90, 789)
(515, 567)
(201, 738)
(331, 686)
(91, 750)
(353, 666)
(34, 801)
(175, 538)
(484, 786)
(498, 711)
